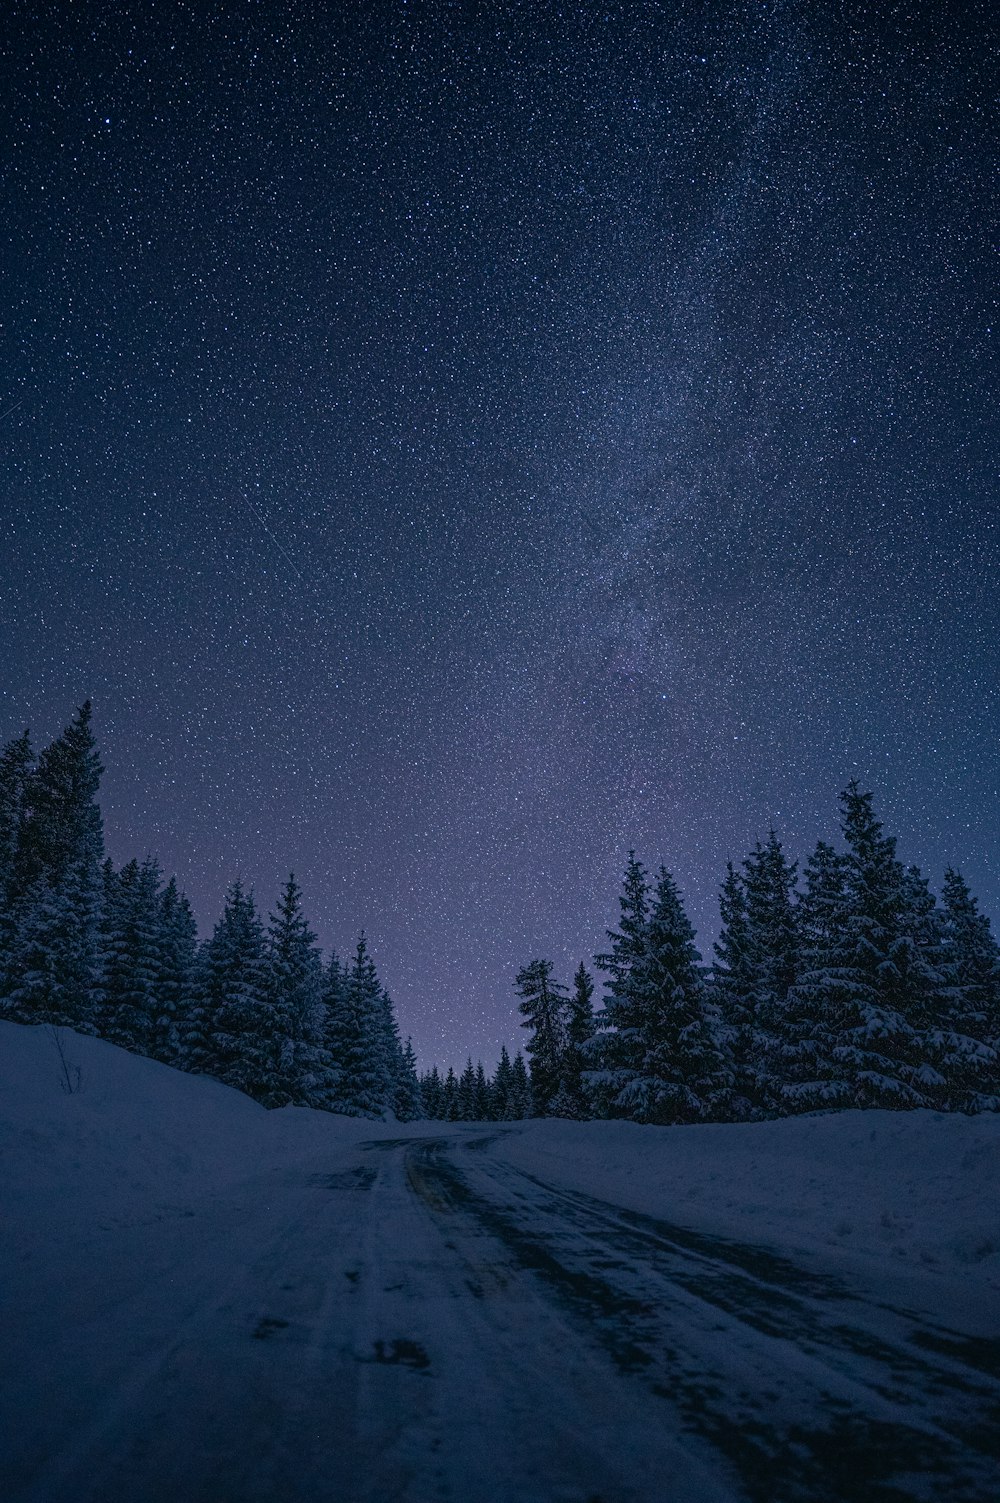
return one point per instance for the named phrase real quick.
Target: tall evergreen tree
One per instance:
(54, 882)
(627, 947)
(969, 1021)
(501, 1087)
(362, 1048)
(734, 993)
(17, 761)
(667, 1066)
(773, 963)
(804, 1072)
(224, 1030)
(177, 948)
(409, 1104)
(520, 1103)
(299, 1071)
(127, 1005)
(543, 1007)
(579, 1032)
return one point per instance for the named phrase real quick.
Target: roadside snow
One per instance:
(897, 1195)
(907, 1201)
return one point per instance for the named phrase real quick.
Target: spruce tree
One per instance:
(734, 993)
(520, 1103)
(579, 1032)
(16, 764)
(127, 1005)
(502, 1086)
(450, 1109)
(409, 1105)
(667, 1066)
(432, 1094)
(54, 881)
(177, 944)
(225, 1028)
(299, 1072)
(969, 1022)
(543, 1007)
(362, 1047)
(804, 1069)
(627, 946)
(467, 1093)
(772, 964)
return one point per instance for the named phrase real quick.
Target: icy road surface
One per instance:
(428, 1322)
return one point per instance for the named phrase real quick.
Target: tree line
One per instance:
(114, 953)
(856, 988)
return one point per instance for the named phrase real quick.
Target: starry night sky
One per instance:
(456, 441)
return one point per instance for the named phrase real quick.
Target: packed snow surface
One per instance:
(206, 1301)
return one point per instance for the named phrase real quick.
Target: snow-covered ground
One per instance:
(206, 1301)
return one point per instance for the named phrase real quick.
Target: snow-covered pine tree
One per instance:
(449, 1098)
(970, 1011)
(224, 1028)
(668, 1066)
(55, 885)
(857, 1010)
(804, 1073)
(579, 1032)
(293, 981)
(520, 1102)
(127, 1005)
(16, 763)
(627, 944)
(361, 1047)
(432, 1094)
(772, 965)
(467, 1093)
(409, 1105)
(543, 1007)
(501, 1086)
(483, 1095)
(732, 984)
(177, 944)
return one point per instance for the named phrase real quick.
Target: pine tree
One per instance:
(858, 1010)
(467, 1093)
(483, 1096)
(450, 1110)
(627, 946)
(772, 964)
(361, 1046)
(734, 994)
(520, 1103)
(127, 1005)
(579, 1032)
(804, 1070)
(667, 1067)
(17, 761)
(177, 943)
(225, 1028)
(54, 884)
(409, 1105)
(299, 1071)
(969, 1020)
(432, 1094)
(502, 1086)
(543, 1007)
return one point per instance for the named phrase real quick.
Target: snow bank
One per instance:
(914, 1191)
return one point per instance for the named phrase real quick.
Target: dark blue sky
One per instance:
(459, 441)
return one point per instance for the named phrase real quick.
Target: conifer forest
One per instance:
(844, 983)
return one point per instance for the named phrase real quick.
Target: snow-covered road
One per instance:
(425, 1321)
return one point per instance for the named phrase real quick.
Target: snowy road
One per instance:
(430, 1323)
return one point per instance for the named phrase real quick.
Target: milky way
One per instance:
(457, 442)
